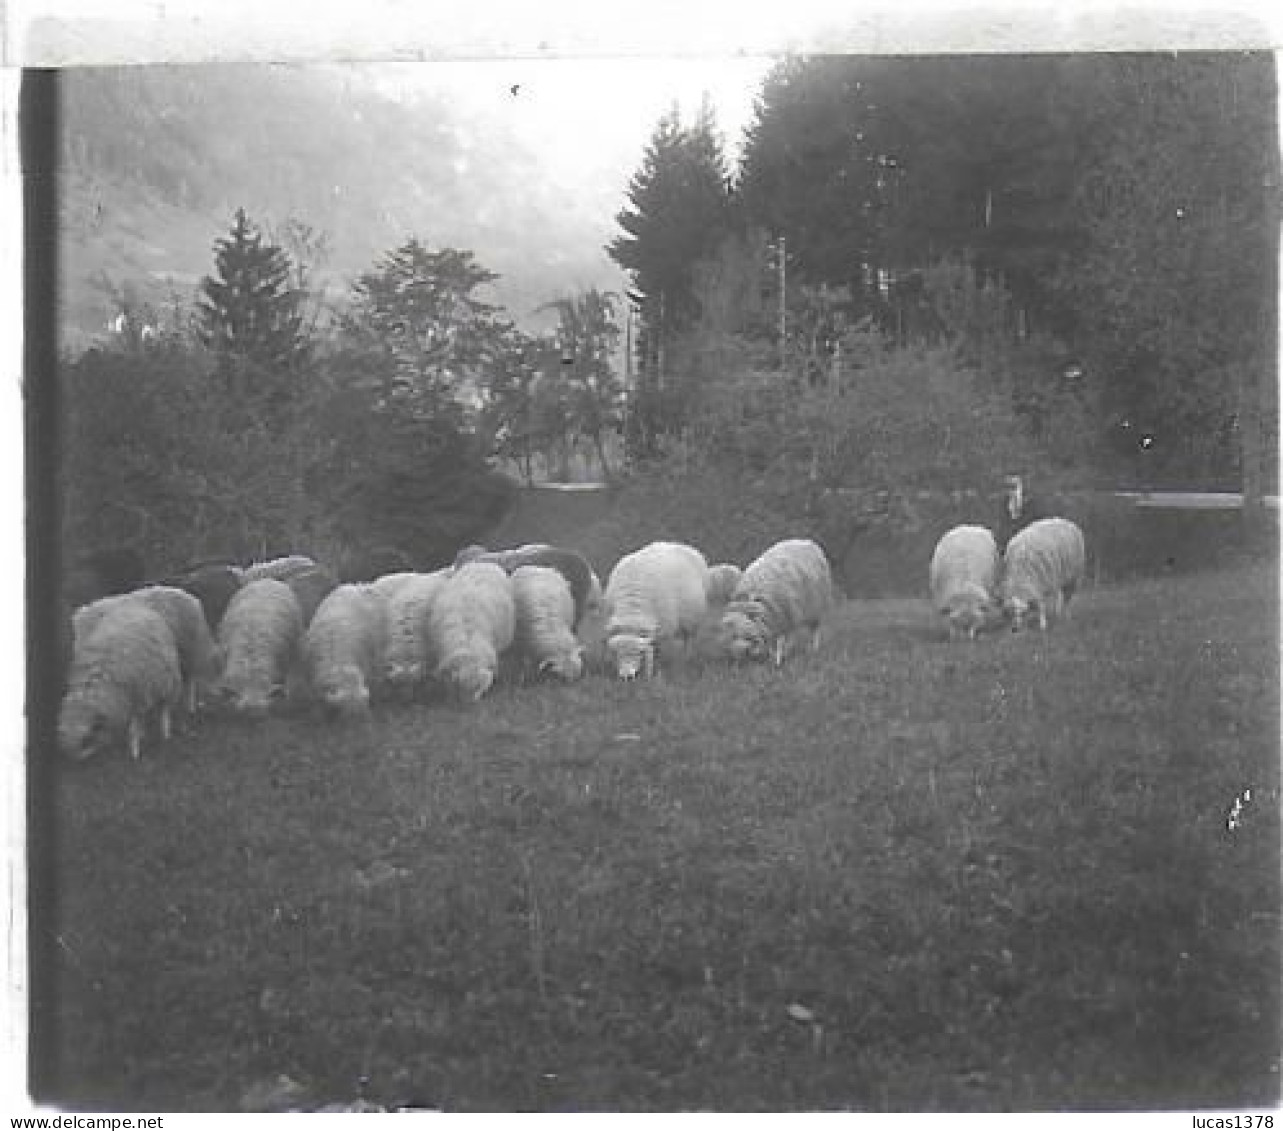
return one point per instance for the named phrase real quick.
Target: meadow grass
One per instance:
(897, 874)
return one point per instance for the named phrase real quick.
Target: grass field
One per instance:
(896, 875)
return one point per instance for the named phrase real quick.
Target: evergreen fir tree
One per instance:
(680, 213)
(250, 310)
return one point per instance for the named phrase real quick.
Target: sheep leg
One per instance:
(166, 722)
(648, 661)
(778, 651)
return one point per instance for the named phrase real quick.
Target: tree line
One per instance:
(261, 418)
(1092, 239)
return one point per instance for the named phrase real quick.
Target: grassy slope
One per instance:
(999, 876)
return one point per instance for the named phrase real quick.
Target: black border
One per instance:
(38, 108)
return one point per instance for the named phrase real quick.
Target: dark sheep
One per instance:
(212, 585)
(311, 587)
(585, 587)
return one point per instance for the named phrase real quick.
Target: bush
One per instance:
(887, 419)
(158, 455)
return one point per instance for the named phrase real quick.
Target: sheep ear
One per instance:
(545, 666)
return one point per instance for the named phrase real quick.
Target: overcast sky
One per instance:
(588, 120)
(581, 109)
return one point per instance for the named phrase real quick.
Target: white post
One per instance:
(783, 307)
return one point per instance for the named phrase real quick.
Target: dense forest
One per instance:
(918, 273)
(1093, 238)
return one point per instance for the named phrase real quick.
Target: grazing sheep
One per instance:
(387, 585)
(259, 637)
(182, 613)
(125, 668)
(344, 648)
(964, 576)
(545, 635)
(585, 586)
(1041, 569)
(722, 579)
(282, 569)
(408, 652)
(654, 594)
(470, 624)
(469, 554)
(788, 588)
(311, 587)
(212, 584)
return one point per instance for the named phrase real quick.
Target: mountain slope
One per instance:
(155, 160)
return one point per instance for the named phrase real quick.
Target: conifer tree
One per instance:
(680, 213)
(250, 310)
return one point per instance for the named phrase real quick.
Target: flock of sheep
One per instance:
(241, 639)
(976, 588)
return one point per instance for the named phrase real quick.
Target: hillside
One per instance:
(156, 159)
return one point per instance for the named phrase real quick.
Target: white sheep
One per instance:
(279, 568)
(963, 578)
(125, 669)
(387, 585)
(408, 657)
(259, 637)
(1041, 570)
(545, 610)
(722, 579)
(653, 595)
(469, 553)
(471, 623)
(785, 590)
(344, 648)
(185, 618)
